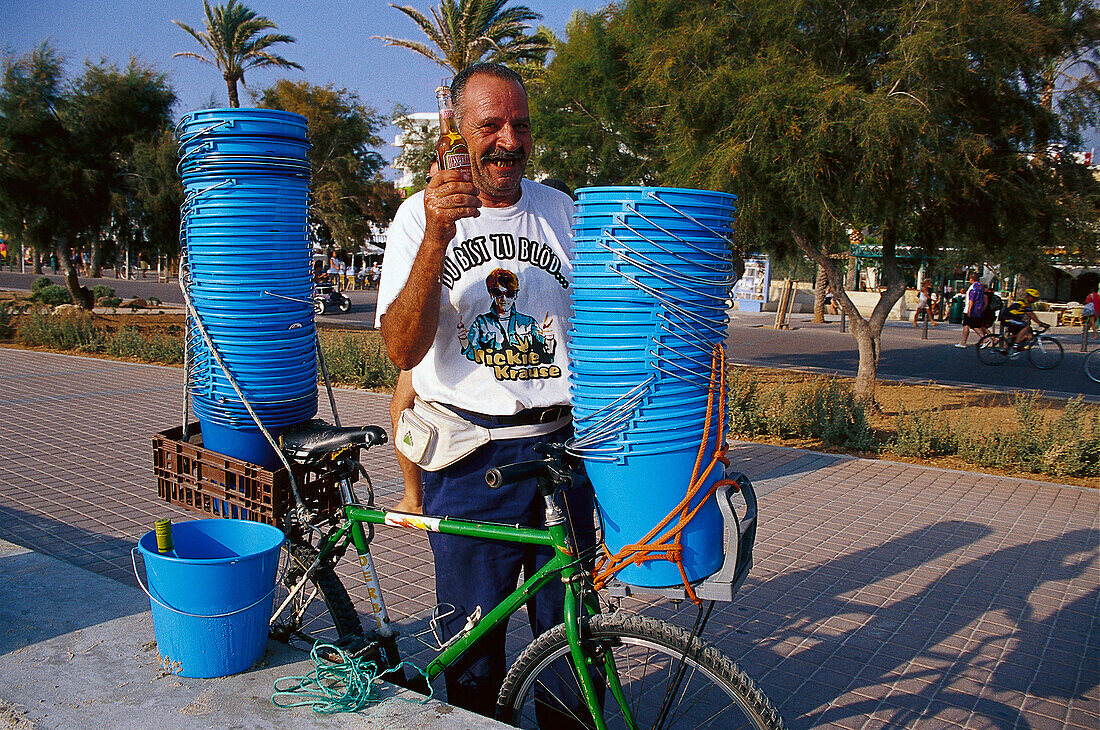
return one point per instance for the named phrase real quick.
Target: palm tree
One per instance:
(468, 31)
(234, 43)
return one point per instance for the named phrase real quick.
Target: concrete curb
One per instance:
(78, 648)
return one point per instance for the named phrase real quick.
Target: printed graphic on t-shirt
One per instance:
(473, 252)
(511, 343)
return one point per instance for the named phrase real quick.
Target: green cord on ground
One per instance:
(347, 685)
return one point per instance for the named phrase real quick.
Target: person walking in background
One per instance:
(975, 308)
(1090, 314)
(924, 303)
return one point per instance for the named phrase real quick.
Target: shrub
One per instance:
(353, 360)
(746, 414)
(69, 331)
(922, 433)
(40, 283)
(100, 292)
(828, 410)
(51, 294)
(131, 342)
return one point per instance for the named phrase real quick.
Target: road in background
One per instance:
(752, 341)
(824, 348)
(361, 314)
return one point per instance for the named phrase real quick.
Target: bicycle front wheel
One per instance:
(320, 608)
(1045, 352)
(993, 349)
(668, 679)
(1092, 365)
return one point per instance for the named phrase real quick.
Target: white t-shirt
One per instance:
(492, 356)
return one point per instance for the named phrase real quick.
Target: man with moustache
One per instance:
(443, 245)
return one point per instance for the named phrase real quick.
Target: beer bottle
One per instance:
(451, 150)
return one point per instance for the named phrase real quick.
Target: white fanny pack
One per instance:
(434, 437)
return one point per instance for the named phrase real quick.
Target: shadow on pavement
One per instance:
(850, 639)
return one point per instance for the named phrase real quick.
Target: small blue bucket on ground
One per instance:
(212, 598)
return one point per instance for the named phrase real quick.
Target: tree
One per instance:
(108, 112)
(912, 119)
(593, 122)
(234, 42)
(29, 127)
(348, 192)
(157, 191)
(468, 31)
(64, 148)
(1070, 59)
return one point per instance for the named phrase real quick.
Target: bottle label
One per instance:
(455, 160)
(446, 113)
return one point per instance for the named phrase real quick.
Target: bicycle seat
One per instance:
(314, 439)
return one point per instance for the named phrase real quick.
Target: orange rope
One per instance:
(668, 546)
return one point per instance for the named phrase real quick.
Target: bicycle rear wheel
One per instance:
(320, 610)
(669, 680)
(1092, 365)
(993, 349)
(1045, 352)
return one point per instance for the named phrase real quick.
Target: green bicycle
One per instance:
(596, 669)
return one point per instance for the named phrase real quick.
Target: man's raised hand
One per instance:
(449, 197)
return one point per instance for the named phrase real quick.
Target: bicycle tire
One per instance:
(322, 611)
(1092, 366)
(1045, 352)
(712, 693)
(993, 349)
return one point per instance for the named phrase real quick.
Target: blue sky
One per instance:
(334, 43)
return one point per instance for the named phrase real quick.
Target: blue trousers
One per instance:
(471, 572)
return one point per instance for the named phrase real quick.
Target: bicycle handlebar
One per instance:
(551, 471)
(497, 477)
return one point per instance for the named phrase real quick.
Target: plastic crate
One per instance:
(216, 485)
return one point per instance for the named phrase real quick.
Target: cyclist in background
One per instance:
(1017, 316)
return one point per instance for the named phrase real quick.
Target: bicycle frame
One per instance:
(564, 562)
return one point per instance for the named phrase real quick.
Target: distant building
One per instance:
(431, 121)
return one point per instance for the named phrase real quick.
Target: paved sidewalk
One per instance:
(884, 594)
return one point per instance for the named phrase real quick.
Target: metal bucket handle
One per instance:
(173, 609)
(211, 128)
(652, 268)
(661, 246)
(623, 224)
(685, 215)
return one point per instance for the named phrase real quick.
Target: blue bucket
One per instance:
(212, 600)
(246, 444)
(635, 495)
(234, 121)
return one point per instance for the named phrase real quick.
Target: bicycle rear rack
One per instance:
(740, 535)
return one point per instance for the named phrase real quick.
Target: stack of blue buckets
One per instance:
(247, 271)
(651, 279)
